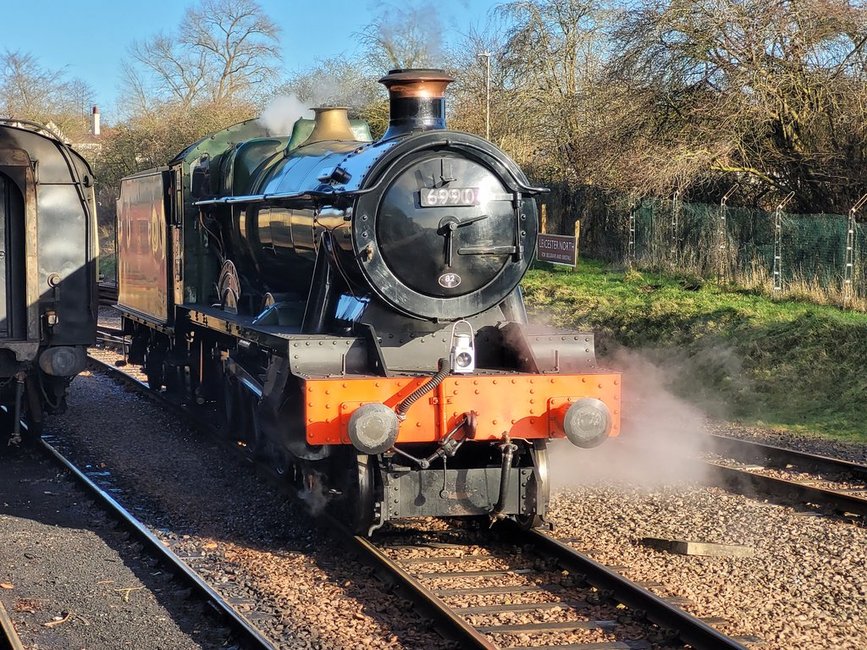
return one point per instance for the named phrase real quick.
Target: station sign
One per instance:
(557, 249)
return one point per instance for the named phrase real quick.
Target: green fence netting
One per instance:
(822, 255)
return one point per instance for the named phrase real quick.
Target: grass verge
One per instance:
(734, 353)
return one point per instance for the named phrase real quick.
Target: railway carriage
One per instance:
(48, 258)
(353, 308)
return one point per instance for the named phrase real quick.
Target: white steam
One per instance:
(662, 433)
(281, 114)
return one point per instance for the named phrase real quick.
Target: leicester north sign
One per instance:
(558, 249)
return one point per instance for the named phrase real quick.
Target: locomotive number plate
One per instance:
(435, 197)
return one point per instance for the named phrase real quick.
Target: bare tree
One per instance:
(221, 52)
(31, 92)
(650, 96)
(407, 36)
(772, 93)
(167, 69)
(546, 60)
(466, 96)
(27, 87)
(238, 38)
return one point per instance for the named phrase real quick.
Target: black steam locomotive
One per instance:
(48, 253)
(353, 308)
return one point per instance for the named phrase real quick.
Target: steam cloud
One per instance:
(282, 113)
(666, 429)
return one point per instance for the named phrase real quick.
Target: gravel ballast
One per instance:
(255, 546)
(804, 587)
(70, 579)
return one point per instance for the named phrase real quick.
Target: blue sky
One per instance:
(89, 38)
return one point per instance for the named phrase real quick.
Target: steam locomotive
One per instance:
(48, 254)
(353, 308)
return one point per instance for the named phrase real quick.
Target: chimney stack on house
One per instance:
(95, 122)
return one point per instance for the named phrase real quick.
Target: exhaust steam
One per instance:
(660, 435)
(281, 114)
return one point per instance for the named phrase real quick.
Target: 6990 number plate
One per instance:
(435, 197)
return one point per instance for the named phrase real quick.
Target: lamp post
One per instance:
(487, 57)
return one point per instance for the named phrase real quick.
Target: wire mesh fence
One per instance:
(820, 257)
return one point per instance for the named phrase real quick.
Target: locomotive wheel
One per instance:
(233, 420)
(275, 457)
(355, 505)
(154, 376)
(541, 486)
(153, 368)
(173, 378)
(249, 432)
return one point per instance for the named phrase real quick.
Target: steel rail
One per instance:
(9, 639)
(689, 629)
(734, 478)
(737, 479)
(455, 625)
(110, 332)
(751, 451)
(664, 614)
(111, 338)
(247, 634)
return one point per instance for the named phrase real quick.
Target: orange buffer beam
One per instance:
(523, 406)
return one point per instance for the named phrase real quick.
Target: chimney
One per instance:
(330, 123)
(416, 100)
(95, 121)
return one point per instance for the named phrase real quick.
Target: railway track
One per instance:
(529, 590)
(773, 456)
(818, 483)
(671, 622)
(745, 465)
(244, 633)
